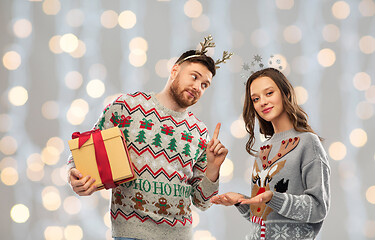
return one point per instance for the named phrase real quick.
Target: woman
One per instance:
(290, 179)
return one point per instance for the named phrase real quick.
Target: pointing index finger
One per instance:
(216, 132)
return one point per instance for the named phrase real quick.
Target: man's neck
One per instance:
(167, 101)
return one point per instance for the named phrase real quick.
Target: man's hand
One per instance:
(227, 199)
(83, 186)
(261, 198)
(216, 153)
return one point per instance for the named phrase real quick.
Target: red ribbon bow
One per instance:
(101, 156)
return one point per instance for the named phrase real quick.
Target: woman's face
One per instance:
(267, 99)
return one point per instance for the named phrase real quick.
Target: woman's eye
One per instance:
(255, 99)
(269, 93)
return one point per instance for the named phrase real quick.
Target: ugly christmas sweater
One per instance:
(167, 149)
(294, 166)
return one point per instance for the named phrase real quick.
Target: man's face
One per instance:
(190, 82)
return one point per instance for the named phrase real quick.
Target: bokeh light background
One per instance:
(62, 61)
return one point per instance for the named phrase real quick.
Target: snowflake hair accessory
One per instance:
(257, 64)
(208, 43)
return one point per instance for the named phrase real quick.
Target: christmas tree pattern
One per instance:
(141, 137)
(196, 154)
(101, 123)
(186, 150)
(115, 119)
(157, 140)
(126, 134)
(172, 145)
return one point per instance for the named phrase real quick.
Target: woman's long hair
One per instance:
(297, 116)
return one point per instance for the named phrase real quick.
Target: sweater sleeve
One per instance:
(313, 205)
(203, 188)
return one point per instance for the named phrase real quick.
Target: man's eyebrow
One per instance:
(197, 73)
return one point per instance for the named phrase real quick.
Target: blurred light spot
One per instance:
(127, 19)
(107, 219)
(331, 33)
(57, 143)
(137, 58)
(196, 218)
(75, 17)
(98, 71)
(370, 194)
(35, 175)
(50, 155)
(51, 7)
(18, 96)
(109, 19)
(59, 176)
(340, 10)
(73, 80)
(8, 162)
(5, 122)
(337, 151)
(226, 170)
(369, 229)
(9, 176)
(201, 23)
(138, 43)
(19, 213)
(326, 57)
(285, 4)
(95, 88)
(50, 110)
(105, 194)
(370, 94)
(260, 38)
(35, 170)
(51, 198)
(193, 8)
(22, 28)
(302, 95)
(358, 137)
(77, 112)
(11, 60)
(362, 81)
(237, 129)
(203, 235)
(109, 99)
(72, 205)
(73, 232)
(171, 62)
(54, 44)
(367, 44)
(80, 50)
(248, 175)
(292, 34)
(8, 145)
(53, 233)
(68, 42)
(161, 68)
(364, 110)
(367, 8)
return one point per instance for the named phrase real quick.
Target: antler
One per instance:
(225, 57)
(206, 44)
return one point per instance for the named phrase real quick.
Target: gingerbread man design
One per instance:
(163, 206)
(139, 202)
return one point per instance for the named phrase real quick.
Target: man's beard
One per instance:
(178, 97)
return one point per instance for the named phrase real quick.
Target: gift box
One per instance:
(103, 155)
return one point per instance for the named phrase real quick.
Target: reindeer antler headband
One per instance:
(208, 43)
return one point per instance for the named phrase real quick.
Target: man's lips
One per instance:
(191, 93)
(267, 110)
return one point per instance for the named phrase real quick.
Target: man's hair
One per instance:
(203, 59)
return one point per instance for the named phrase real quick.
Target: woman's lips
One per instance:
(267, 110)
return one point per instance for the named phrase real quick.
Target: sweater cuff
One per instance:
(277, 202)
(209, 186)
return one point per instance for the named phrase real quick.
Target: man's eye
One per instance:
(195, 77)
(204, 85)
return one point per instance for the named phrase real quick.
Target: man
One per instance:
(175, 162)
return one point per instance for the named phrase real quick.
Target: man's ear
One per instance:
(174, 71)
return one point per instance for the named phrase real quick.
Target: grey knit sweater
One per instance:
(294, 166)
